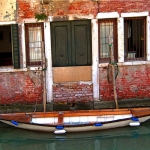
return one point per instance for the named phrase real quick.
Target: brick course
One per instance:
(20, 87)
(132, 82)
(72, 92)
(26, 8)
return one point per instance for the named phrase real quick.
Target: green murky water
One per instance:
(128, 138)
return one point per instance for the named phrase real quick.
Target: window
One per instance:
(134, 38)
(107, 34)
(9, 46)
(34, 43)
(71, 43)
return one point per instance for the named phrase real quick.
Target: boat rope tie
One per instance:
(115, 64)
(15, 123)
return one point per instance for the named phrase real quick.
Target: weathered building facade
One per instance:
(68, 53)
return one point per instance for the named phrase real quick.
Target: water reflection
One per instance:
(129, 138)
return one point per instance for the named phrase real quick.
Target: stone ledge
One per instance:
(25, 108)
(130, 103)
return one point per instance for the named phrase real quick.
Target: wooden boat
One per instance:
(77, 121)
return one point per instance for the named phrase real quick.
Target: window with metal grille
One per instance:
(107, 30)
(34, 43)
(134, 38)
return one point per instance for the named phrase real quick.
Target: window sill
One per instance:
(10, 69)
(101, 65)
(34, 68)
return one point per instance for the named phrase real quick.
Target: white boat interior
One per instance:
(81, 119)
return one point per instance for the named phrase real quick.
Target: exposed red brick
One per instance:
(72, 92)
(18, 88)
(132, 82)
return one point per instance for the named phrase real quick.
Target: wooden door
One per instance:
(71, 43)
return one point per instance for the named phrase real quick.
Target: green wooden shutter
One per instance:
(71, 43)
(81, 43)
(61, 44)
(15, 46)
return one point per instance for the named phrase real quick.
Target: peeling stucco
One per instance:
(7, 10)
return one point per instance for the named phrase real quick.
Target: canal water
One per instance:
(127, 138)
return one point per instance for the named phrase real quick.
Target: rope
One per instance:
(116, 70)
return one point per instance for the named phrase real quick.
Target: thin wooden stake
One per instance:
(114, 86)
(44, 78)
(113, 72)
(44, 91)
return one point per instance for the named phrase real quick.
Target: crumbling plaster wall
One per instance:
(7, 10)
(27, 8)
(73, 8)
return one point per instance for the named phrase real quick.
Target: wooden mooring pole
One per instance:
(44, 77)
(113, 71)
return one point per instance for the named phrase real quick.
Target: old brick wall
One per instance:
(73, 92)
(21, 88)
(27, 8)
(131, 82)
(124, 6)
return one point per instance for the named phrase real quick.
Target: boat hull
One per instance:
(75, 128)
(77, 121)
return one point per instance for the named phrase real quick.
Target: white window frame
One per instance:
(139, 14)
(120, 31)
(110, 15)
(49, 77)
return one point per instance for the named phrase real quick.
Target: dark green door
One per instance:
(71, 43)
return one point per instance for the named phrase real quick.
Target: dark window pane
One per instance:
(6, 57)
(134, 39)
